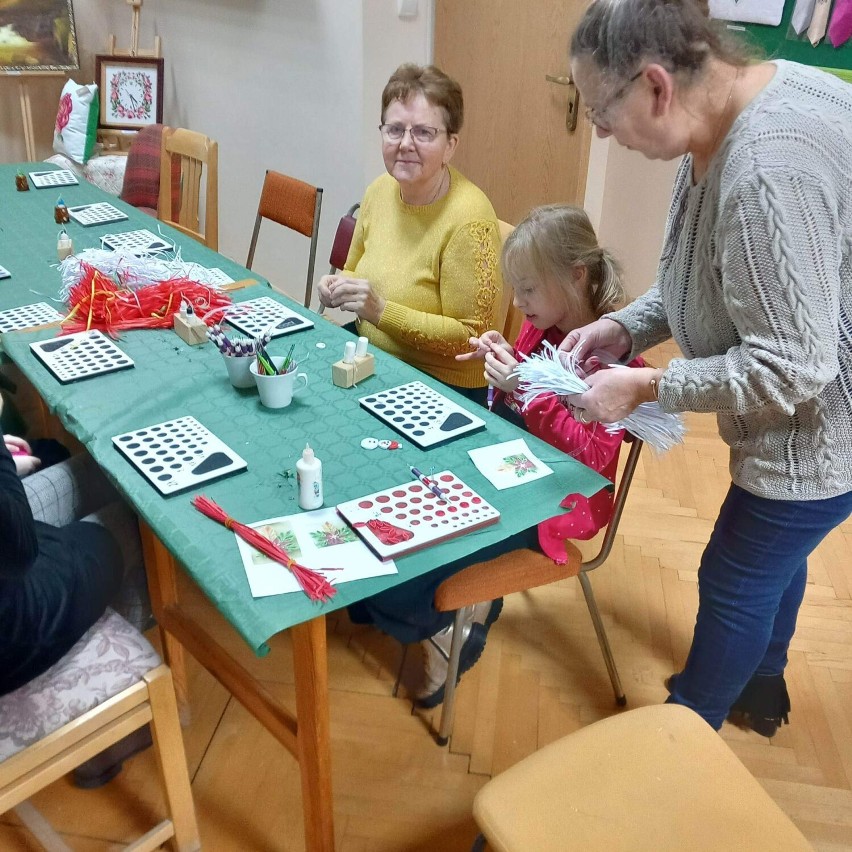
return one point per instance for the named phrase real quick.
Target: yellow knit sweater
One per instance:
(437, 265)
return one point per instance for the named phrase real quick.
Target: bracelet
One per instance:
(655, 388)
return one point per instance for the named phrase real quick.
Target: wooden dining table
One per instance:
(171, 379)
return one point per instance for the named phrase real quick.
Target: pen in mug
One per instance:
(427, 482)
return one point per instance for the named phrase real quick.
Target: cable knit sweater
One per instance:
(437, 265)
(755, 286)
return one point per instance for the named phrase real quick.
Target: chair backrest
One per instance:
(295, 205)
(197, 157)
(342, 240)
(141, 186)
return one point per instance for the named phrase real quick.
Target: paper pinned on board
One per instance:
(318, 540)
(509, 464)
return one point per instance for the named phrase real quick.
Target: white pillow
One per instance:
(76, 122)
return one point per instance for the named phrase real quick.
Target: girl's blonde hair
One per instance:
(551, 242)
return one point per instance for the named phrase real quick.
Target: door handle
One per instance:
(573, 106)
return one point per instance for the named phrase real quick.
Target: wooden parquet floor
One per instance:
(541, 676)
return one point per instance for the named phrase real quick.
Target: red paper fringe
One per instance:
(315, 586)
(96, 301)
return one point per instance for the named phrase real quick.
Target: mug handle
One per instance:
(300, 376)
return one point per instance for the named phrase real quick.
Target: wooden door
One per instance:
(514, 144)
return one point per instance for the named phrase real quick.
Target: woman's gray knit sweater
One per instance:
(755, 286)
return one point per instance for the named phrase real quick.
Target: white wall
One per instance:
(290, 85)
(627, 199)
(295, 85)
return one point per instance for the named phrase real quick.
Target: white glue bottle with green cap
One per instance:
(309, 476)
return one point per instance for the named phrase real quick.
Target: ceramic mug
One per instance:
(238, 370)
(277, 391)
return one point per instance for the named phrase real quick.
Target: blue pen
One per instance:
(490, 400)
(427, 482)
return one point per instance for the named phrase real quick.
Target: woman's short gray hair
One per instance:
(620, 36)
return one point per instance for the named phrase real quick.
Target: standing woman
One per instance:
(755, 286)
(422, 275)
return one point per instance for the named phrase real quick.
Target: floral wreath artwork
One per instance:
(145, 103)
(131, 90)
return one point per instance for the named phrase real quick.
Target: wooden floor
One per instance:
(541, 676)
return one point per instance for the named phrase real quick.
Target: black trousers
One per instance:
(44, 612)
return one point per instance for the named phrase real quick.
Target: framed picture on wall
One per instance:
(131, 90)
(37, 35)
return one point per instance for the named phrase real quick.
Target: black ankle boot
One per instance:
(763, 705)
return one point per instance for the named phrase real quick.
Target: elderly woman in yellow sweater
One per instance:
(422, 273)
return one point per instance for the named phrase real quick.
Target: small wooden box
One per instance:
(347, 375)
(190, 329)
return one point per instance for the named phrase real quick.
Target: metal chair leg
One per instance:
(591, 603)
(446, 726)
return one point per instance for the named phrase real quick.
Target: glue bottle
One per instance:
(309, 477)
(64, 245)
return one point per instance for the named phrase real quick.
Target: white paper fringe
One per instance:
(132, 271)
(547, 373)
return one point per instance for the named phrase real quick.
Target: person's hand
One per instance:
(603, 334)
(325, 289)
(613, 393)
(357, 295)
(22, 454)
(483, 345)
(500, 362)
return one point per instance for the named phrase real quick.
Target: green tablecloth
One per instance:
(172, 379)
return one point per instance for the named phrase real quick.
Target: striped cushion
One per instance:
(142, 176)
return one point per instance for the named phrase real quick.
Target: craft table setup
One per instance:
(169, 379)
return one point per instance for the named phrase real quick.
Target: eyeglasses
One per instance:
(421, 133)
(595, 115)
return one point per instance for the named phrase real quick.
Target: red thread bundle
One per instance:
(96, 301)
(315, 586)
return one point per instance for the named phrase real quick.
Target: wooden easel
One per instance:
(112, 50)
(26, 107)
(118, 141)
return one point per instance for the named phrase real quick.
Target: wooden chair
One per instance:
(508, 574)
(507, 318)
(108, 685)
(342, 241)
(198, 158)
(654, 779)
(295, 205)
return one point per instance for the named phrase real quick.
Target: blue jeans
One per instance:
(751, 582)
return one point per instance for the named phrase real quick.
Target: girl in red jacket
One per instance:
(562, 280)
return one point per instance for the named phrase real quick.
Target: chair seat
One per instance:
(110, 657)
(656, 778)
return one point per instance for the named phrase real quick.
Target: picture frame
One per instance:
(131, 91)
(38, 36)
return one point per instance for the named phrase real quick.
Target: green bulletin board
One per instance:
(774, 44)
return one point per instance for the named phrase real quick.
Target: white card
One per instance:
(508, 464)
(317, 540)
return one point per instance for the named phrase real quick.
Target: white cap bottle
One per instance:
(309, 477)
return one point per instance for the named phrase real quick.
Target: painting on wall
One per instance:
(37, 35)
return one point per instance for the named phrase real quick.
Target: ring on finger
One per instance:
(581, 415)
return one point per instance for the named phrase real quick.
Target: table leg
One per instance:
(314, 734)
(162, 587)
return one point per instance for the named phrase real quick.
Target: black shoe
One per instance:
(763, 705)
(436, 658)
(103, 767)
